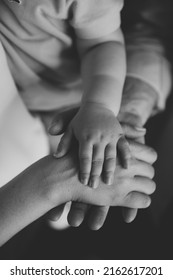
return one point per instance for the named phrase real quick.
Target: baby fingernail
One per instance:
(109, 180)
(84, 181)
(93, 183)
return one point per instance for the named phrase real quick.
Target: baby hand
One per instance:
(138, 102)
(99, 133)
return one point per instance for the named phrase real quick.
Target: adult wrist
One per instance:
(53, 182)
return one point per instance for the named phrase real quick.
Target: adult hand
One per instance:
(142, 154)
(51, 182)
(138, 102)
(78, 210)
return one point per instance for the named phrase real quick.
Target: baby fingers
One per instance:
(85, 161)
(124, 150)
(97, 165)
(109, 163)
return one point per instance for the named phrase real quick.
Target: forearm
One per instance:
(152, 69)
(147, 51)
(44, 185)
(51, 182)
(26, 198)
(103, 72)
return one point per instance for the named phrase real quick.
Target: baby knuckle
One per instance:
(87, 137)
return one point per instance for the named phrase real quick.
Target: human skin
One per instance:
(95, 125)
(51, 182)
(138, 102)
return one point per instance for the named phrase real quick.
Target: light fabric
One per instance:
(146, 61)
(38, 37)
(23, 140)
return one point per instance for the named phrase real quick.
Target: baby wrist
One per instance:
(139, 98)
(100, 105)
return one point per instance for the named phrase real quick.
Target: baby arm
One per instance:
(96, 126)
(138, 102)
(148, 80)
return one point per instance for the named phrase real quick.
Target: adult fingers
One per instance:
(61, 121)
(142, 152)
(140, 140)
(77, 213)
(55, 213)
(137, 200)
(133, 132)
(143, 184)
(97, 217)
(129, 214)
(64, 144)
(136, 168)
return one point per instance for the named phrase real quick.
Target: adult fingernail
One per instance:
(125, 164)
(56, 155)
(58, 152)
(52, 128)
(140, 129)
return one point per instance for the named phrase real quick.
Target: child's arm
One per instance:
(103, 68)
(96, 126)
(101, 49)
(51, 182)
(149, 78)
(138, 102)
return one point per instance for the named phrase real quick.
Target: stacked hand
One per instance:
(137, 105)
(99, 213)
(98, 133)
